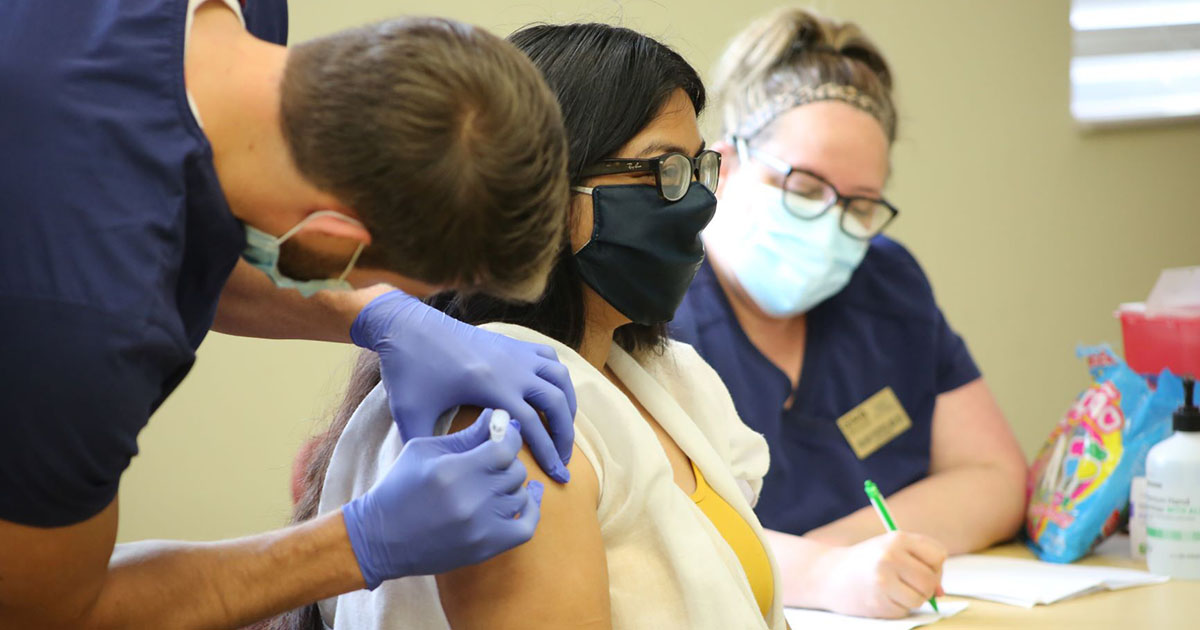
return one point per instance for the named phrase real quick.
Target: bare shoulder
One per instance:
(559, 579)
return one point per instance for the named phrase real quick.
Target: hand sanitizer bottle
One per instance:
(1173, 496)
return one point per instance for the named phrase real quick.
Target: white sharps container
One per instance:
(1173, 496)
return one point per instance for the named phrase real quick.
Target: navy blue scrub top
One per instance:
(115, 241)
(884, 329)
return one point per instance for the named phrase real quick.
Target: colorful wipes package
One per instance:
(1079, 483)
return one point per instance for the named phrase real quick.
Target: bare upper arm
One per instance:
(559, 579)
(52, 577)
(969, 429)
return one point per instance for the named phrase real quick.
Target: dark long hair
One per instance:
(610, 82)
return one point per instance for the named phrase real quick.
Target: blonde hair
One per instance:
(791, 57)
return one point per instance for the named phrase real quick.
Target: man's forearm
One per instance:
(226, 584)
(252, 306)
(966, 509)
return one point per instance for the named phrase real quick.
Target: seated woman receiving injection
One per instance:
(655, 528)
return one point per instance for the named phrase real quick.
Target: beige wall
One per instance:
(1031, 232)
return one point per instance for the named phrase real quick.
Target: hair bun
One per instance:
(839, 40)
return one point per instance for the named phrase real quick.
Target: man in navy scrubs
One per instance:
(146, 146)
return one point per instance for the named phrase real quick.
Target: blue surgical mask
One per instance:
(786, 264)
(262, 252)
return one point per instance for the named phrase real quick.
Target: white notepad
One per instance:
(803, 618)
(1028, 583)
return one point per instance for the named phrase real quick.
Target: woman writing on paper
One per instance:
(828, 336)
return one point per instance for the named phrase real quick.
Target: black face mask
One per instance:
(644, 250)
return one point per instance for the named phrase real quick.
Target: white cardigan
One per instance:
(668, 566)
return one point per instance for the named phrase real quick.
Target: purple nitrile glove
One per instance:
(431, 362)
(447, 502)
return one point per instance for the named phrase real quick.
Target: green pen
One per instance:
(881, 509)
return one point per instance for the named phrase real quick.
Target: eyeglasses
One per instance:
(807, 196)
(673, 172)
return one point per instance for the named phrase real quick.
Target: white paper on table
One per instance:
(802, 618)
(1028, 583)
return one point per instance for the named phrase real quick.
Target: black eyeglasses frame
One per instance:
(614, 166)
(787, 170)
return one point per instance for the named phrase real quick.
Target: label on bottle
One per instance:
(1173, 527)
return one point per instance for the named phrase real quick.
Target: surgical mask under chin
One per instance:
(644, 250)
(786, 264)
(262, 252)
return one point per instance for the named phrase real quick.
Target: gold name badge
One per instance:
(875, 422)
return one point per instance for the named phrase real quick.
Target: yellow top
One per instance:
(737, 532)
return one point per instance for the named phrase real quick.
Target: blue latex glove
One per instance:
(431, 362)
(447, 502)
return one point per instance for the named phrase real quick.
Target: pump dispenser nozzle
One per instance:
(1187, 417)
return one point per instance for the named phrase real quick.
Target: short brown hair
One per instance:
(444, 139)
(790, 50)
